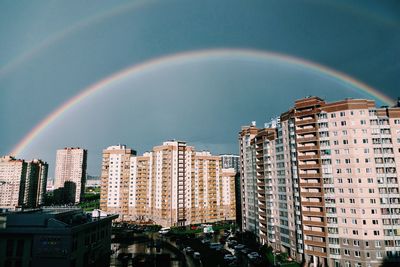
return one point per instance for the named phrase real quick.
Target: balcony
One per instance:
(306, 130)
(312, 204)
(307, 148)
(305, 113)
(315, 243)
(261, 192)
(308, 157)
(313, 213)
(310, 175)
(311, 194)
(306, 121)
(316, 253)
(314, 233)
(318, 185)
(309, 166)
(313, 223)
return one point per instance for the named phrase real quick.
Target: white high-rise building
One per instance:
(71, 171)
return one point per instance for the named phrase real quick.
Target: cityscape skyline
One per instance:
(200, 133)
(222, 61)
(318, 182)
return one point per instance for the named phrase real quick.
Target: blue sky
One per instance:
(52, 50)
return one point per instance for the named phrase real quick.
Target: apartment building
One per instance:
(70, 173)
(22, 183)
(248, 184)
(330, 175)
(230, 161)
(173, 185)
(12, 182)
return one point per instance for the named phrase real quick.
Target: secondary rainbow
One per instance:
(181, 58)
(74, 28)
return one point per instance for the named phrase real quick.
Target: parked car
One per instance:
(229, 257)
(232, 243)
(205, 242)
(216, 246)
(239, 247)
(189, 250)
(253, 255)
(196, 255)
(164, 230)
(245, 251)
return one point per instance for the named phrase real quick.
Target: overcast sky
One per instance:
(52, 50)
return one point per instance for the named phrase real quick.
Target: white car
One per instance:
(229, 257)
(239, 247)
(164, 230)
(196, 255)
(253, 255)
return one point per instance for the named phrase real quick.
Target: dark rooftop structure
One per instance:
(64, 236)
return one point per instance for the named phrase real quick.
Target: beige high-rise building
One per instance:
(22, 183)
(115, 179)
(327, 182)
(12, 182)
(171, 185)
(70, 172)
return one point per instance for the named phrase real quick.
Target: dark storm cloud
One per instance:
(360, 38)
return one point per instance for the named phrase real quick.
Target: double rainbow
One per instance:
(183, 57)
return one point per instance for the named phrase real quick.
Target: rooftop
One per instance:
(50, 218)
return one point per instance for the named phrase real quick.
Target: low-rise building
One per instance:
(55, 237)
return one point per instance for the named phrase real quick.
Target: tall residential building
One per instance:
(12, 182)
(327, 181)
(248, 181)
(230, 161)
(22, 183)
(35, 183)
(70, 171)
(115, 178)
(171, 185)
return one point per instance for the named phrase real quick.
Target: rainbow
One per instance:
(59, 36)
(181, 58)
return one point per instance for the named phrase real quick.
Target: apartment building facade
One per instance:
(173, 185)
(35, 183)
(22, 183)
(331, 182)
(70, 172)
(249, 198)
(230, 161)
(12, 182)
